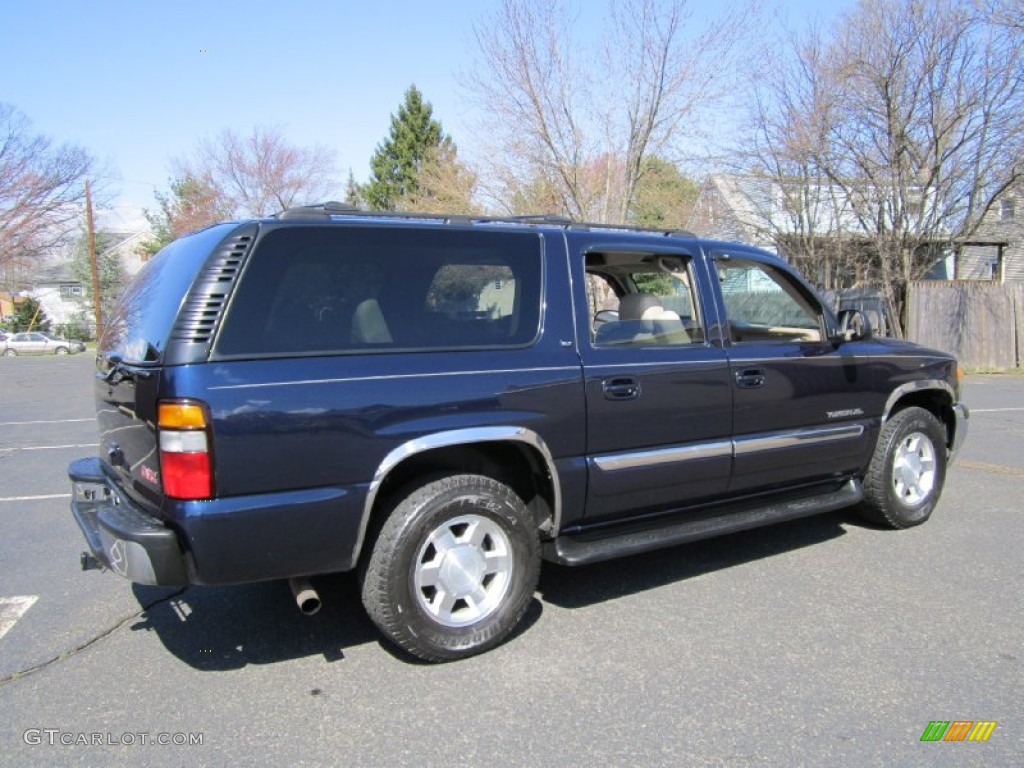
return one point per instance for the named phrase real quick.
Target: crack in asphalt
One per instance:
(22, 674)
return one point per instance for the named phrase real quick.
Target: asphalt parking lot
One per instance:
(822, 642)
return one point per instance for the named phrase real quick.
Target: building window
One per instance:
(995, 269)
(1007, 208)
(70, 291)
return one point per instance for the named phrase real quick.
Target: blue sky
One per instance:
(137, 83)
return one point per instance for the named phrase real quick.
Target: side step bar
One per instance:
(587, 548)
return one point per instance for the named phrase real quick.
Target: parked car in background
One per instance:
(36, 343)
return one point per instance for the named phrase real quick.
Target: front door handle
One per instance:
(621, 389)
(750, 378)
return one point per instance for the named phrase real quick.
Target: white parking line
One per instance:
(12, 609)
(54, 447)
(56, 421)
(993, 410)
(37, 498)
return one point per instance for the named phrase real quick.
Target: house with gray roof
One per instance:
(790, 218)
(996, 250)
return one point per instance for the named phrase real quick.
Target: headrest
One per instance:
(632, 306)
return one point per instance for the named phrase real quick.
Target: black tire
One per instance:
(453, 569)
(60, 351)
(905, 478)
(10, 353)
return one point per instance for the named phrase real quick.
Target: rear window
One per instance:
(324, 290)
(140, 326)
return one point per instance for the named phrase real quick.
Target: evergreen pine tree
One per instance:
(396, 164)
(353, 192)
(111, 274)
(29, 316)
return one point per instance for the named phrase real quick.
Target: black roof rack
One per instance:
(334, 208)
(632, 228)
(329, 208)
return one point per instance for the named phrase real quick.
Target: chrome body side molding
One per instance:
(718, 448)
(637, 459)
(791, 438)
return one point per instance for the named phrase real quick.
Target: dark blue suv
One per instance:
(439, 403)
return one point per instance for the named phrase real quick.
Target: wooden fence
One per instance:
(982, 323)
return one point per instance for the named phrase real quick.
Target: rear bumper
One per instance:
(124, 539)
(230, 540)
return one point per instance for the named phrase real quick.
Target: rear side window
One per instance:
(140, 326)
(325, 290)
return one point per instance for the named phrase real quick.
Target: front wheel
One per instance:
(10, 353)
(906, 474)
(60, 351)
(453, 569)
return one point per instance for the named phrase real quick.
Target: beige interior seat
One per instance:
(369, 325)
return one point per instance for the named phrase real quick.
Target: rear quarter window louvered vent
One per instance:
(201, 314)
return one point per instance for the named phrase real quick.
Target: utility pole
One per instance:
(92, 262)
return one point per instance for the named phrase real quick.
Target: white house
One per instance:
(61, 294)
(767, 213)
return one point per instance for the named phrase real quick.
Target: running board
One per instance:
(587, 548)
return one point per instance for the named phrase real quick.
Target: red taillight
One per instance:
(186, 475)
(184, 450)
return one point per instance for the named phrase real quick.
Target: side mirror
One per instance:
(606, 316)
(853, 326)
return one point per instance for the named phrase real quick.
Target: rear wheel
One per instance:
(906, 474)
(453, 569)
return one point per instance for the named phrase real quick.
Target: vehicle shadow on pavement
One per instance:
(216, 629)
(225, 628)
(577, 587)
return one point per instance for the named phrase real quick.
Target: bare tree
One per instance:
(41, 189)
(557, 109)
(260, 173)
(191, 204)
(444, 183)
(788, 195)
(911, 113)
(1006, 13)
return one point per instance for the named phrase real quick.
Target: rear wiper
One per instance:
(119, 371)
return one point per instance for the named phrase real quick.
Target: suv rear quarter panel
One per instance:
(334, 423)
(297, 440)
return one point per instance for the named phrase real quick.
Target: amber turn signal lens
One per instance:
(180, 416)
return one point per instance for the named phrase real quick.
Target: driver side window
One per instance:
(763, 305)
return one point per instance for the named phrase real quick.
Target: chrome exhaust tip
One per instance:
(306, 598)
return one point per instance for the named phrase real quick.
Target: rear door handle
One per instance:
(621, 389)
(750, 378)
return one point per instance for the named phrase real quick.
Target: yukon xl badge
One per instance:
(845, 414)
